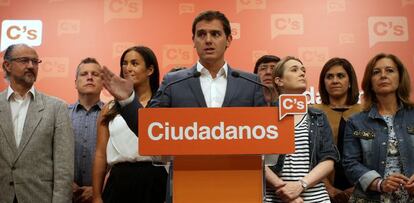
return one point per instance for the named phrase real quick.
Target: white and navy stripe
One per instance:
(297, 165)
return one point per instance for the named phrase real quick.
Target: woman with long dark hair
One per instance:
(132, 177)
(338, 88)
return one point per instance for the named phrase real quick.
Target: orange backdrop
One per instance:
(312, 30)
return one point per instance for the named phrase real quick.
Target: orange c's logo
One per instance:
(21, 31)
(291, 104)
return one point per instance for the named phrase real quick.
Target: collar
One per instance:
(10, 93)
(223, 70)
(373, 111)
(78, 105)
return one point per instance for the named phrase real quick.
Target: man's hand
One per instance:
(83, 194)
(75, 187)
(86, 195)
(118, 87)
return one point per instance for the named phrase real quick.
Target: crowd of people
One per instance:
(347, 149)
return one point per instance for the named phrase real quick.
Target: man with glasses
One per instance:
(263, 68)
(36, 137)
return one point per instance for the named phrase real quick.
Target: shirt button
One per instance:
(11, 183)
(13, 168)
(382, 162)
(86, 126)
(384, 143)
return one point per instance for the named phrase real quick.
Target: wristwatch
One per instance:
(304, 184)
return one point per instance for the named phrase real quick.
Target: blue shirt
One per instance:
(84, 128)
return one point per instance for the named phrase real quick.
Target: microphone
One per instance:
(195, 74)
(238, 75)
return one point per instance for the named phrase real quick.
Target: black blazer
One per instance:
(188, 93)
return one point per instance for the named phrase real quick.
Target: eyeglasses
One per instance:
(26, 60)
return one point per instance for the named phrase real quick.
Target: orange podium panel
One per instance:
(217, 151)
(206, 179)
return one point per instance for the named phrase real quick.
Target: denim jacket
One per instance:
(365, 148)
(321, 145)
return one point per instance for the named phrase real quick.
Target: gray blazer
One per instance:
(41, 168)
(188, 93)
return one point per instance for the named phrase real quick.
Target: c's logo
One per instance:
(387, 29)
(122, 9)
(286, 24)
(177, 55)
(290, 104)
(21, 31)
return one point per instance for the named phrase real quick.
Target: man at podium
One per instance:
(211, 82)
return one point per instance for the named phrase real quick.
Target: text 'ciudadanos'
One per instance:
(219, 131)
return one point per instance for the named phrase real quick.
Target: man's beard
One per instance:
(27, 79)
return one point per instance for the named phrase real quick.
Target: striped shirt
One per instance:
(297, 165)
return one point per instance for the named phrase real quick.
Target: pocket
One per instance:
(367, 151)
(410, 129)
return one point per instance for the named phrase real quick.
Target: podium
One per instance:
(217, 151)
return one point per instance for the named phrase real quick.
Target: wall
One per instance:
(313, 30)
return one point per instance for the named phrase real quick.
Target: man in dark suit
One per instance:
(209, 83)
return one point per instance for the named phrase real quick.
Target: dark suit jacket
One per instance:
(188, 93)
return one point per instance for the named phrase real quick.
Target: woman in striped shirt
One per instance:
(298, 177)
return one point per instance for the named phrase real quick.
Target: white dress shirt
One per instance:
(19, 105)
(214, 89)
